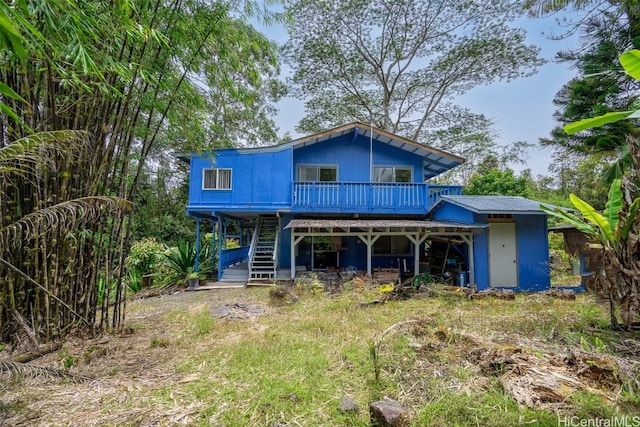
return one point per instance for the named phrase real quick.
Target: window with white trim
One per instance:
(392, 174)
(216, 179)
(317, 173)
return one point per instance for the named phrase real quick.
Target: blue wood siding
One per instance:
(533, 252)
(260, 181)
(451, 212)
(264, 181)
(353, 159)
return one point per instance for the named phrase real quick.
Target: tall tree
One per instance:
(600, 88)
(399, 64)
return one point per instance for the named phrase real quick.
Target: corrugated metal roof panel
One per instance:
(496, 204)
(379, 224)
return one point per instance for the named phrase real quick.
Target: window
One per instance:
(317, 173)
(392, 174)
(392, 245)
(216, 179)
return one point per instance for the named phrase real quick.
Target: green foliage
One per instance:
(479, 408)
(375, 359)
(601, 89)
(68, 362)
(399, 67)
(498, 182)
(630, 61)
(144, 79)
(182, 258)
(604, 229)
(591, 407)
(134, 282)
(556, 242)
(160, 206)
(145, 256)
(310, 283)
(601, 223)
(104, 290)
(203, 322)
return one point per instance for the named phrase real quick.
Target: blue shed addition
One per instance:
(512, 251)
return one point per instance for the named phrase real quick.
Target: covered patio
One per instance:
(370, 230)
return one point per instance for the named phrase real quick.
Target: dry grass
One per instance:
(200, 359)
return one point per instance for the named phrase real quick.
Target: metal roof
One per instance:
(380, 224)
(494, 204)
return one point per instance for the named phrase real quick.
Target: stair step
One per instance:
(262, 265)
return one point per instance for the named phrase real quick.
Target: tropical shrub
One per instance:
(611, 232)
(181, 261)
(145, 256)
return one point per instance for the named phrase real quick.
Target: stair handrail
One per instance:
(254, 243)
(274, 257)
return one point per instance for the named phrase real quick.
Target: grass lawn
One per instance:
(238, 358)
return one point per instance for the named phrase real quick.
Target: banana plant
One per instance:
(616, 231)
(606, 230)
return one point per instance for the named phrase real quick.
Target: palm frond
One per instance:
(40, 151)
(64, 215)
(8, 367)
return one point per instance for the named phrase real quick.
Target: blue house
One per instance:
(353, 197)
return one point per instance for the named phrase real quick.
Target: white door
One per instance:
(503, 257)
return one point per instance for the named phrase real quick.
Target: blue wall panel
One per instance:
(285, 242)
(481, 259)
(258, 180)
(533, 252)
(353, 158)
(449, 212)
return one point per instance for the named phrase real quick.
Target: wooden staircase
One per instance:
(263, 261)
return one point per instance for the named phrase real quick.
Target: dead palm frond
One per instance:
(26, 370)
(40, 151)
(65, 215)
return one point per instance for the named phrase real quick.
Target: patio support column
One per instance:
(197, 260)
(214, 253)
(417, 240)
(221, 231)
(468, 238)
(368, 240)
(294, 242)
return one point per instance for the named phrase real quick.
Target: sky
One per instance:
(521, 110)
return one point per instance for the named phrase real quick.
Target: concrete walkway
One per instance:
(218, 285)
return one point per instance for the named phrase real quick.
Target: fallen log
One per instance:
(39, 352)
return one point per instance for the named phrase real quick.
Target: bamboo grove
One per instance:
(92, 91)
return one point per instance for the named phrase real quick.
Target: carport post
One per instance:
(417, 241)
(294, 242)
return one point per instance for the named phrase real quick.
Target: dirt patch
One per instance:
(126, 369)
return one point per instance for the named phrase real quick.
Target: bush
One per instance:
(145, 256)
(181, 261)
